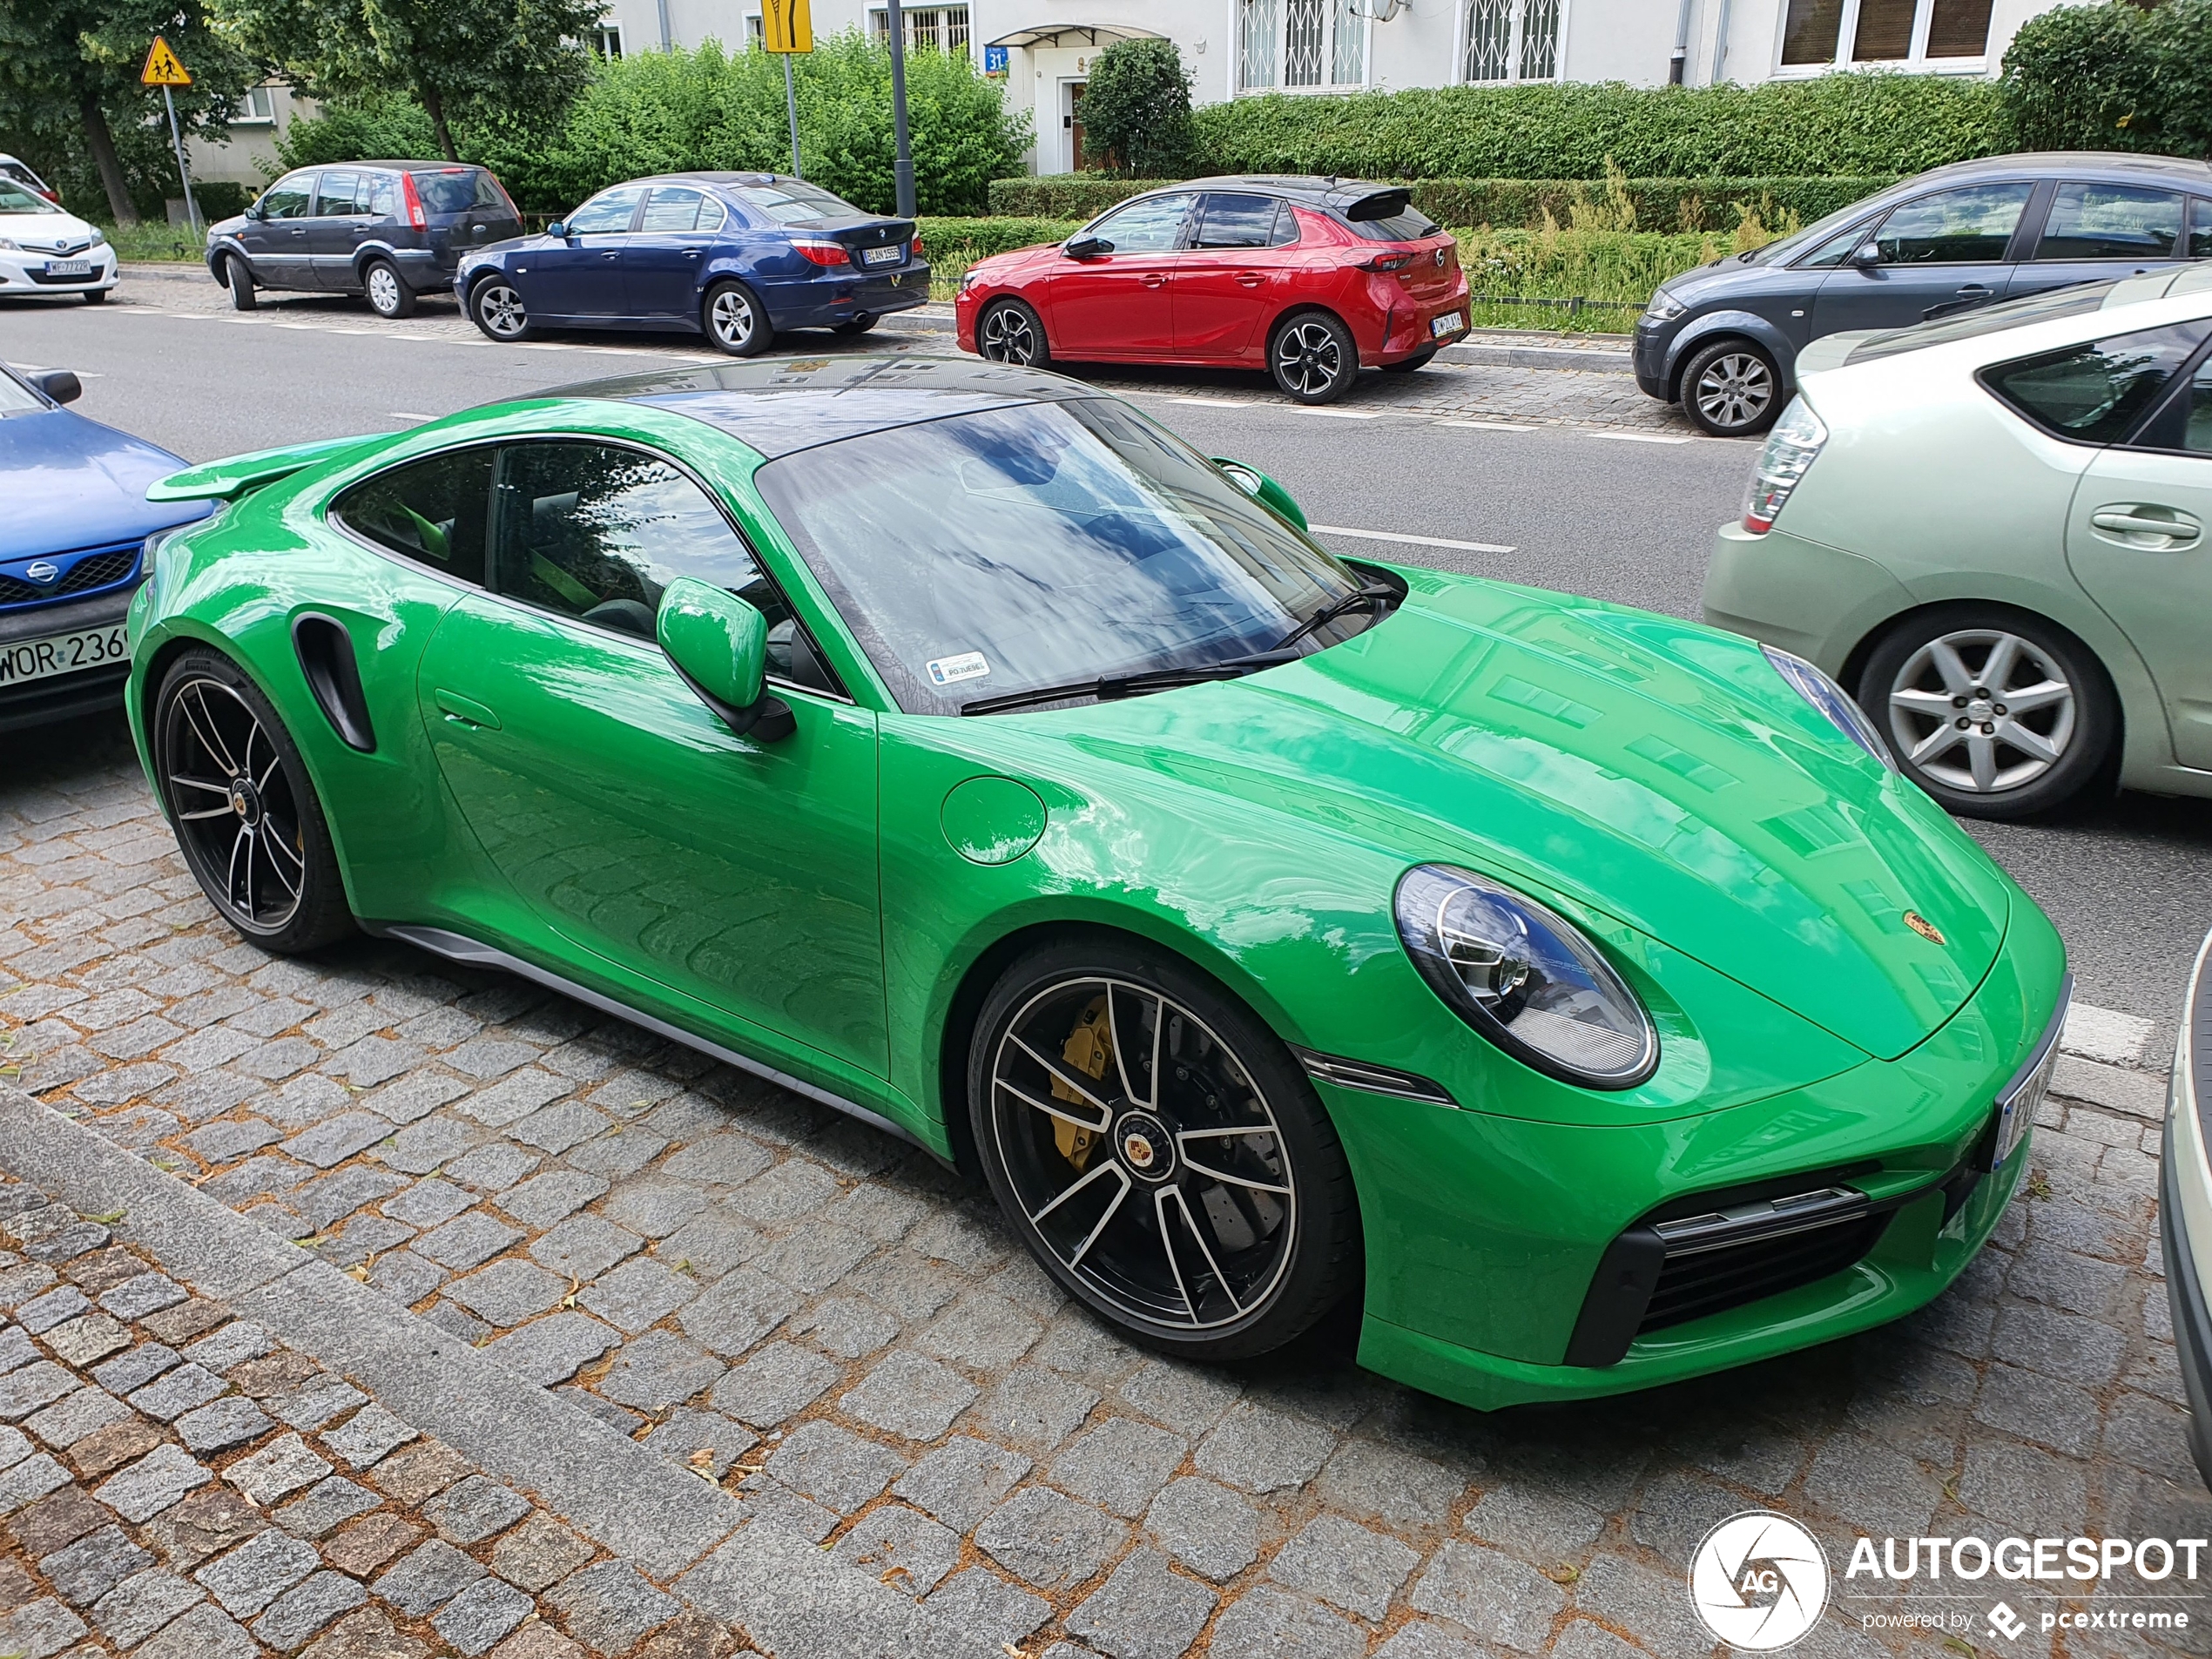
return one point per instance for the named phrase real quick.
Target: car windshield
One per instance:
(1783, 249)
(1044, 545)
(14, 199)
(15, 397)
(2078, 300)
(455, 190)
(793, 203)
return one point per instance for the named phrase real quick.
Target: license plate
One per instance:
(890, 255)
(1444, 326)
(2016, 1107)
(68, 267)
(59, 654)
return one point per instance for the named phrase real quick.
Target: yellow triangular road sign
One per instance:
(164, 67)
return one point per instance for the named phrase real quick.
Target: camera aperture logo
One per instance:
(1759, 1581)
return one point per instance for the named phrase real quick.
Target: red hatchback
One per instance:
(1309, 278)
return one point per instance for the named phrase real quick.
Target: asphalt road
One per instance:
(2129, 882)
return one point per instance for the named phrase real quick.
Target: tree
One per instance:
(2114, 76)
(1137, 108)
(461, 60)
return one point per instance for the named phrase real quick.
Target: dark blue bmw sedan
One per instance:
(737, 256)
(71, 548)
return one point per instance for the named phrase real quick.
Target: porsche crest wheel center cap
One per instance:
(1145, 1146)
(246, 801)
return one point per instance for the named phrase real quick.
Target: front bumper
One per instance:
(25, 273)
(1484, 1235)
(1649, 357)
(2185, 1208)
(64, 697)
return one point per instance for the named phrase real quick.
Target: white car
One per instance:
(45, 250)
(2185, 1206)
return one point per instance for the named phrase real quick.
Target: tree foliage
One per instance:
(2113, 77)
(1136, 107)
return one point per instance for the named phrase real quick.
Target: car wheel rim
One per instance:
(1143, 1155)
(1735, 390)
(1982, 710)
(1308, 359)
(383, 291)
(1008, 338)
(501, 309)
(733, 318)
(233, 805)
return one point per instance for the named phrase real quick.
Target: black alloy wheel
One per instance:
(1732, 389)
(1160, 1152)
(496, 307)
(243, 809)
(388, 295)
(1313, 357)
(1010, 332)
(736, 321)
(239, 278)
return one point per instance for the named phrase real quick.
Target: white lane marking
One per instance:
(1218, 402)
(1416, 541)
(1488, 426)
(2105, 1033)
(1643, 437)
(1344, 415)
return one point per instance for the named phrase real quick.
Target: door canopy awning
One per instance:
(1075, 34)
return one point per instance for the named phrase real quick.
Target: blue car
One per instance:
(71, 548)
(736, 256)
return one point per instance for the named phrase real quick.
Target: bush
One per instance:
(951, 244)
(2113, 77)
(389, 129)
(1656, 204)
(1137, 109)
(1859, 124)
(1588, 280)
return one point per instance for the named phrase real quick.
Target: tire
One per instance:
(495, 307)
(1312, 357)
(1209, 1269)
(239, 278)
(735, 320)
(1009, 331)
(1731, 389)
(1421, 359)
(95, 296)
(388, 295)
(2059, 726)
(243, 809)
(858, 325)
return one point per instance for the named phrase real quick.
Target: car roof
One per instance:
(780, 406)
(2072, 163)
(400, 166)
(1328, 192)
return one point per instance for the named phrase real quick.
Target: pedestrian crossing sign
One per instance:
(786, 26)
(164, 67)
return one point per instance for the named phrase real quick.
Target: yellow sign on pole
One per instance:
(164, 67)
(786, 26)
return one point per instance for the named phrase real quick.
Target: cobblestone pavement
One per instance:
(1605, 398)
(845, 1340)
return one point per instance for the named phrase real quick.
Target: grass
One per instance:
(149, 243)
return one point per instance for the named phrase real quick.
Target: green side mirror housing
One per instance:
(719, 645)
(1262, 489)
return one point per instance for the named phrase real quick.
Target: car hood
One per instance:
(44, 231)
(1649, 769)
(1004, 267)
(71, 483)
(1730, 279)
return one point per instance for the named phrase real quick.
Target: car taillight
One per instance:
(822, 252)
(1790, 450)
(913, 246)
(1388, 262)
(414, 202)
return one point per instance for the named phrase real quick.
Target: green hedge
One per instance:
(962, 241)
(1856, 124)
(1656, 204)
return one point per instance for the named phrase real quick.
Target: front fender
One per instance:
(1748, 324)
(217, 247)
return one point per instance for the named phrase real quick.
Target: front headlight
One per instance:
(1664, 307)
(1525, 978)
(1833, 701)
(99, 236)
(969, 278)
(11, 244)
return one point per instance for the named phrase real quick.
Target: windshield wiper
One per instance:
(1371, 597)
(1110, 686)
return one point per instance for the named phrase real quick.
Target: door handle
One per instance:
(1154, 280)
(1976, 291)
(610, 254)
(1250, 279)
(299, 230)
(2179, 530)
(690, 253)
(465, 710)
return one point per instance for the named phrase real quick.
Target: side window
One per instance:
(2112, 222)
(1238, 221)
(288, 197)
(382, 192)
(432, 511)
(1836, 249)
(335, 198)
(1153, 226)
(608, 210)
(671, 208)
(713, 214)
(2199, 229)
(2184, 420)
(1966, 227)
(2093, 394)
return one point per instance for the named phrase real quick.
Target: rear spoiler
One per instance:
(1380, 203)
(228, 479)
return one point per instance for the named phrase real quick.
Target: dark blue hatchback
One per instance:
(737, 256)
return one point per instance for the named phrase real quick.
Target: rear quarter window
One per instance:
(2096, 393)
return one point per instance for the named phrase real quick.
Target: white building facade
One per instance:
(1235, 48)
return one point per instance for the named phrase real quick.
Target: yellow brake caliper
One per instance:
(1086, 1050)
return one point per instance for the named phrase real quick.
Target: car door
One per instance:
(276, 238)
(1938, 254)
(1115, 304)
(2094, 231)
(338, 225)
(1243, 248)
(581, 275)
(2139, 538)
(661, 266)
(736, 873)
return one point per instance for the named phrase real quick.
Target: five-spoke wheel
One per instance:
(1010, 332)
(498, 309)
(736, 321)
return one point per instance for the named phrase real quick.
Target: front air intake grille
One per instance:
(98, 571)
(1729, 1274)
(81, 573)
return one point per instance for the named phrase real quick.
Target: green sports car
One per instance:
(1582, 990)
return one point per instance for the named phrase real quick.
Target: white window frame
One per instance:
(1360, 20)
(257, 108)
(1463, 31)
(607, 41)
(879, 25)
(1917, 62)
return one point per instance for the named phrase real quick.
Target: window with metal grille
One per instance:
(1513, 40)
(943, 28)
(1314, 43)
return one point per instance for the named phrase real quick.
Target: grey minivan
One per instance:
(390, 230)
(1722, 340)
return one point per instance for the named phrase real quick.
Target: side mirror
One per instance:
(1866, 255)
(1262, 489)
(253, 210)
(1086, 248)
(58, 384)
(719, 645)
(558, 227)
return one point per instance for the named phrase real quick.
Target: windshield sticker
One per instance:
(951, 671)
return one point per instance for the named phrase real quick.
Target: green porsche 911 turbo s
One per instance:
(1582, 990)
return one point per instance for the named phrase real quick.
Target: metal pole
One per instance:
(902, 164)
(183, 171)
(791, 106)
